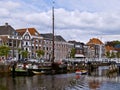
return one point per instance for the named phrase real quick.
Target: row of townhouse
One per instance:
(113, 51)
(79, 49)
(94, 48)
(62, 48)
(31, 40)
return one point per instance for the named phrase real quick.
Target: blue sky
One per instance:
(78, 20)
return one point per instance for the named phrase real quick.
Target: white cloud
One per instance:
(9, 5)
(7, 8)
(74, 24)
(110, 37)
(4, 12)
(90, 5)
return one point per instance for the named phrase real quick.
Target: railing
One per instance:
(15, 37)
(116, 60)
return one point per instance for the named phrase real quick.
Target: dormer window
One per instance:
(27, 36)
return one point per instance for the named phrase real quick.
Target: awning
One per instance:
(79, 55)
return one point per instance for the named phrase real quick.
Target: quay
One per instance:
(95, 65)
(68, 66)
(28, 68)
(4, 69)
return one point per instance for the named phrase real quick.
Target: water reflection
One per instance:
(94, 84)
(60, 82)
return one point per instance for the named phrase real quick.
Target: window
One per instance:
(10, 42)
(43, 48)
(26, 37)
(26, 49)
(47, 48)
(26, 43)
(14, 43)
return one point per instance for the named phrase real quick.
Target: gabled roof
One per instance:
(47, 36)
(59, 38)
(108, 48)
(94, 41)
(75, 42)
(50, 37)
(7, 30)
(32, 31)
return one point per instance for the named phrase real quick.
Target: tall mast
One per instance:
(53, 32)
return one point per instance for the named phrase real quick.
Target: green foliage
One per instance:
(24, 53)
(72, 54)
(113, 43)
(118, 54)
(40, 53)
(116, 42)
(4, 50)
(112, 55)
(19, 50)
(108, 54)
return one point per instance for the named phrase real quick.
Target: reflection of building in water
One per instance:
(94, 84)
(102, 70)
(111, 78)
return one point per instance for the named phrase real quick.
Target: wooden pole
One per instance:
(53, 57)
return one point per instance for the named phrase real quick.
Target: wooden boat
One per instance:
(38, 73)
(21, 72)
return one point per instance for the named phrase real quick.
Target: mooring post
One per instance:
(13, 70)
(89, 68)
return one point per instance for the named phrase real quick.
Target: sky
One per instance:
(78, 20)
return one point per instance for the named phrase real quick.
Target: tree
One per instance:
(108, 54)
(72, 53)
(40, 53)
(112, 43)
(19, 50)
(118, 54)
(112, 55)
(24, 54)
(4, 50)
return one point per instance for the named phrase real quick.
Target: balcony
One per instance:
(15, 37)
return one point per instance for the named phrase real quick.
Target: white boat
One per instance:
(81, 72)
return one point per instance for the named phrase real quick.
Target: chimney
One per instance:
(6, 24)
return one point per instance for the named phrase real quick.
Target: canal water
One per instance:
(60, 82)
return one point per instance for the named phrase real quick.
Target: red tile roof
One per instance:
(94, 41)
(32, 31)
(108, 48)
